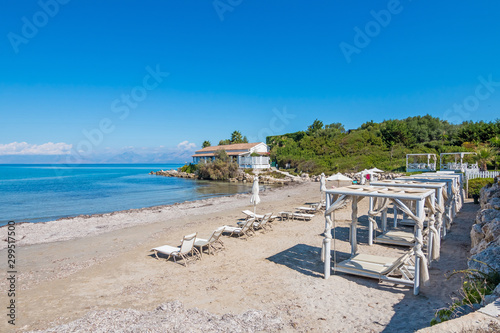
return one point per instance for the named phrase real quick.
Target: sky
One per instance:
(95, 79)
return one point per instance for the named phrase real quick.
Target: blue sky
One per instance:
(90, 77)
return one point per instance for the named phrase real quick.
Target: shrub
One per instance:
(275, 174)
(249, 171)
(475, 185)
(475, 286)
(188, 168)
(218, 170)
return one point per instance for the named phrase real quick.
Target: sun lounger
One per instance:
(302, 216)
(185, 250)
(260, 223)
(311, 209)
(263, 224)
(250, 214)
(396, 237)
(212, 244)
(399, 270)
(244, 231)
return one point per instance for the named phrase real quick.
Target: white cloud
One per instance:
(24, 148)
(186, 145)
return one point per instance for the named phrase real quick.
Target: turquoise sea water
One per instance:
(38, 193)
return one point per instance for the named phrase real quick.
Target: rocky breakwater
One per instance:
(173, 173)
(485, 235)
(379, 176)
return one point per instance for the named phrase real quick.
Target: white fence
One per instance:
(254, 162)
(481, 174)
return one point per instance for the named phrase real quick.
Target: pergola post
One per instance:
(395, 216)
(353, 229)
(370, 224)
(384, 220)
(420, 213)
(327, 240)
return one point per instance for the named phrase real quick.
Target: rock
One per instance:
(494, 203)
(486, 260)
(476, 235)
(489, 299)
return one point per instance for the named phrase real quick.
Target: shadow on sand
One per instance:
(303, 258)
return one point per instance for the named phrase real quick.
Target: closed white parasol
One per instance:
(255, 199)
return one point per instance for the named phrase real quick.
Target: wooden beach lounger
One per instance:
(213, 244)
(184, 251)
(396, 237)
(245, 231)
(399, 270)
(260, 224)
(250, 214)
(302, 216)
(311, 209)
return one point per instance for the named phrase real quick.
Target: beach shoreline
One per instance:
(84, 266)
(72, 227)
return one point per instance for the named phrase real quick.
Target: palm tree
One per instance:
(484, 155)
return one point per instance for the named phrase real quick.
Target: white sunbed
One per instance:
(311, 209)
(250, 214)
(245, 231)
(302, 216)
(382, 268)
(183, 251)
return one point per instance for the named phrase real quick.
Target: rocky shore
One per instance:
(271, 177)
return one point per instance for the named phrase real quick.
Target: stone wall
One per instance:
(485, 233)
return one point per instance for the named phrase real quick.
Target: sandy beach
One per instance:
(88, 267)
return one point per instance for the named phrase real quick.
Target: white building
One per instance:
(240, 153)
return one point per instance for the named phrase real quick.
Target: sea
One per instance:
(41, 192)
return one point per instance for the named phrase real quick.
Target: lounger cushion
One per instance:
(166, 249)
(231, 229)
(397, 237)
(367, 263)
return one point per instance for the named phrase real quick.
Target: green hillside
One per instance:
(330, 148)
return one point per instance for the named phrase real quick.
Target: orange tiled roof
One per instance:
(236, 146)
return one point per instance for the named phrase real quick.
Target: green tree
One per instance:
(236, 137)
(224, 142)
(245, 140)
(314, 127)
(484, 155)
(221, 155)
(206, 144)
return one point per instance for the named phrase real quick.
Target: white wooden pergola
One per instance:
(380, 267)
(452, 190)
(439, 230)
(417, 165)
(458, 183)
(458, 164)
